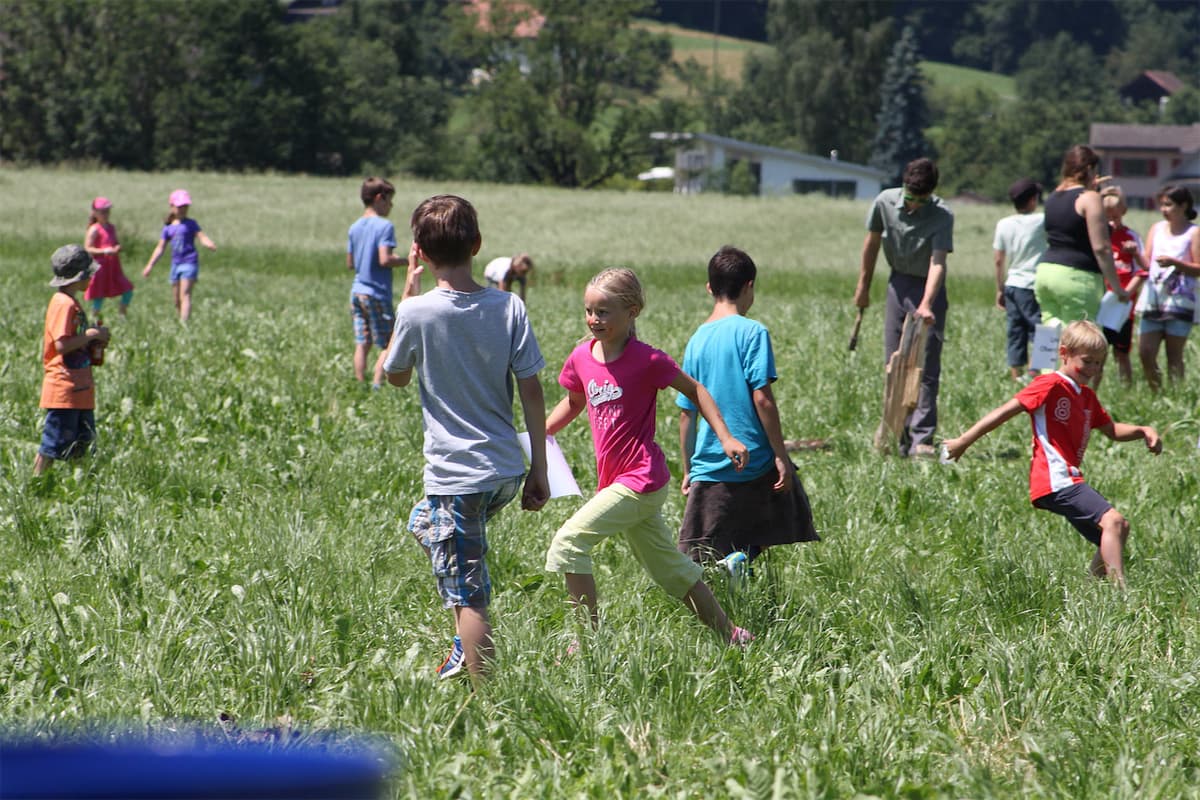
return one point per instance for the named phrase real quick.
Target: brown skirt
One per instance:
(721, 518)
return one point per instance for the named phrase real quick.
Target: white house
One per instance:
(703, 157)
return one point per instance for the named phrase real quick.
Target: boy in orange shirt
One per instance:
(68, 394)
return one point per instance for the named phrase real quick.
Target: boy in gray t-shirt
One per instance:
(466, 344)
(1019, 243)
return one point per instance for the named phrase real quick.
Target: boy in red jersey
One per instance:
(1064, 410)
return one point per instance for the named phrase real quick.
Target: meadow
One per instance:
(235, 548)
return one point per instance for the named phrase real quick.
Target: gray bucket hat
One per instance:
(71, 263)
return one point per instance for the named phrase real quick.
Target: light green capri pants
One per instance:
(615, 510)
(1066, 294)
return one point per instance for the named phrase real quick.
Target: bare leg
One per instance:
(1124, 368)
(1114, 530)
(582, 588)
(40, 463)
(360, 360)
(1175, 346)
(702, 603)
(1096, 568)
(184, 299)
(1148, 344)
(378, 378)
(475, 631)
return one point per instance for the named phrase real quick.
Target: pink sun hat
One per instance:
(101, 203)
(180, 197)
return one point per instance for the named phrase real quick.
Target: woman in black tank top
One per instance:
(1070, 278)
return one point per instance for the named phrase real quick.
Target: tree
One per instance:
(561, 107)
(903, 114)
(818, 89)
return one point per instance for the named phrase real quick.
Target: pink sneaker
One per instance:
(740, 637)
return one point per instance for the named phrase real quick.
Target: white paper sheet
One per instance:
(562, 481)
(1113, 313)
(1045, 347)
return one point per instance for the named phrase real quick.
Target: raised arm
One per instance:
(990, 421)
(412, 278)
(696, 392)
(533, 403)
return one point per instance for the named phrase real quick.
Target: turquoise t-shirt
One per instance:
(732, 357)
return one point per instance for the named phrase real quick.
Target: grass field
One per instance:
(235, 545)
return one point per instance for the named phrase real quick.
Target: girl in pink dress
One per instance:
(102, 245)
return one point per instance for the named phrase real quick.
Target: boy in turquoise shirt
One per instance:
(764, 504)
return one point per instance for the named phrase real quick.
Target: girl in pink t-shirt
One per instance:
(617, 378)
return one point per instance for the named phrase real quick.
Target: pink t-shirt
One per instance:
(621, 405)
(1063, 414)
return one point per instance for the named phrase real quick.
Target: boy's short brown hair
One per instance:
(446, 228)
(920, 176)
(1084, 336)
(372, 187)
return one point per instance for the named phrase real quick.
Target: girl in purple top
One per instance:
(182, 232)
(616, 378)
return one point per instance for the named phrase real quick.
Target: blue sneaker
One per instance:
(738, 566)
(454, 662)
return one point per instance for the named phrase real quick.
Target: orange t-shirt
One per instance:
(67, 382)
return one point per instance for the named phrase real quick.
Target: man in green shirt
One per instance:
(916, 232)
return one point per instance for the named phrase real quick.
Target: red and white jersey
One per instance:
(1063, 414)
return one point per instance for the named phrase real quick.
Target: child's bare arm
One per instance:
(567, 409)
(768, 415)
(990, 421)
(207, 242)
(998, 257)
(533, 403)
(158, 251)
(412, 277)
(1124, 432)
(696, 392)
(687, 446)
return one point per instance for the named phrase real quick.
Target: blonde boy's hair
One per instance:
(1084, 336)
(1113, 197)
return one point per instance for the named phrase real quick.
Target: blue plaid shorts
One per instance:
(453, 530)
(373, 320)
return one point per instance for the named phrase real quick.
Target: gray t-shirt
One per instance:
(1022, 238)
(910, 239)
(465, 349)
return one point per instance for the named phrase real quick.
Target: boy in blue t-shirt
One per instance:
(370, 254)
(764, 504)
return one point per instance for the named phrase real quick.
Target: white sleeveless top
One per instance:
(1172, 294)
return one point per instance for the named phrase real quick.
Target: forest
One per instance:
(447, 90)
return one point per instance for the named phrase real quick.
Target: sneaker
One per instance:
(738, 566)
(454, 662)
(740, 637)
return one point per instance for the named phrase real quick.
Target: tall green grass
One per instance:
(235, 546)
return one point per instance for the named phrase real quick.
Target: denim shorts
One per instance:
(1171, 326)
(373, 320)
(453, 530)
(180, 272)
(68, 432)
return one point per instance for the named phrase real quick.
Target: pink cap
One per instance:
(101, 203)
(180, 197)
